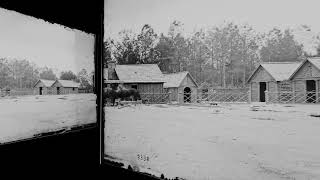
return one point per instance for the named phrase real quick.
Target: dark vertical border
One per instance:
(99, 67)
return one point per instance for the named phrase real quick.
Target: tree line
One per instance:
(223, 55)
(22, 74)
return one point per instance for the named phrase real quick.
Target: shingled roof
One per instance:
(68, 83)
(47, 83)
(139, 73)
(280, 71)
(175, 79)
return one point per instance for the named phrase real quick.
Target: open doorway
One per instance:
(58, 90)
(311, 91)
(263, 88)
(187, 94)
(40, 90)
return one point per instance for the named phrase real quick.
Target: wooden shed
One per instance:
(146, 78)
(43, 87)
(306, 81)
(181, 86)
(65, 87)
(271, 77)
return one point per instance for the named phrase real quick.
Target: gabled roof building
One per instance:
(181, 86)
(271, 77)
(146, 78)
(296, 82)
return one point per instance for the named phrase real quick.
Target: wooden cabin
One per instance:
(306, 81)
(65, 87)
(181, 86)
(43, 87)
(146, 78)
(271, 77)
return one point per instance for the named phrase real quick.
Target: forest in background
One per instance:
(223, 56)
(23, 74)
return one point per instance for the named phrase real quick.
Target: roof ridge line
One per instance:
(133, 64)
(286, 62)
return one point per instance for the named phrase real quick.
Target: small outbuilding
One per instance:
(65, 87)
(306, 81)
(181, 86)
(146, 78)
(271, 77)
(43, 87)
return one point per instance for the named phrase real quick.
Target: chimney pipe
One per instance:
(111, 70)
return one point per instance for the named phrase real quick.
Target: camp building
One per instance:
(146, 78)
(271, 77)
(65, 87)
(43, 87)
(181, 86)
(306, 81)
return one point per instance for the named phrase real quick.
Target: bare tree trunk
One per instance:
(200, 61)
(223, 73)
(232, 79)
(244, 77)
(212, 66)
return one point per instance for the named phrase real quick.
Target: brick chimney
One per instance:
(111, 70)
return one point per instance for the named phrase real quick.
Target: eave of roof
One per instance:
(185, 74)
(139, 73)
(279, 76)
(254, 72)
(302, 64)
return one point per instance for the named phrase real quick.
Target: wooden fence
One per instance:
(17, 92)
(224, 97)
(155, 98)
(26, 92)
(85, 91)
(292, 97)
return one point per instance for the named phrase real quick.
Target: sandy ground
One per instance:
(224, 142)
(23, 117)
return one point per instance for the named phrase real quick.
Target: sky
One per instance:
(45, 43)
(262, 15)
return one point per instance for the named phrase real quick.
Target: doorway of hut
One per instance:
(311, 91)
(40, 90)
(187, 95)
(58, 90)
(263, 88)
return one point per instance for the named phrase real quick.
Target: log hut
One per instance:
(272, 77)
(181, 86)
(65, 87)
(146, 78)
(43, 87)
(306, 81)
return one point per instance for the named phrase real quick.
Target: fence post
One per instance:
(266, 96)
